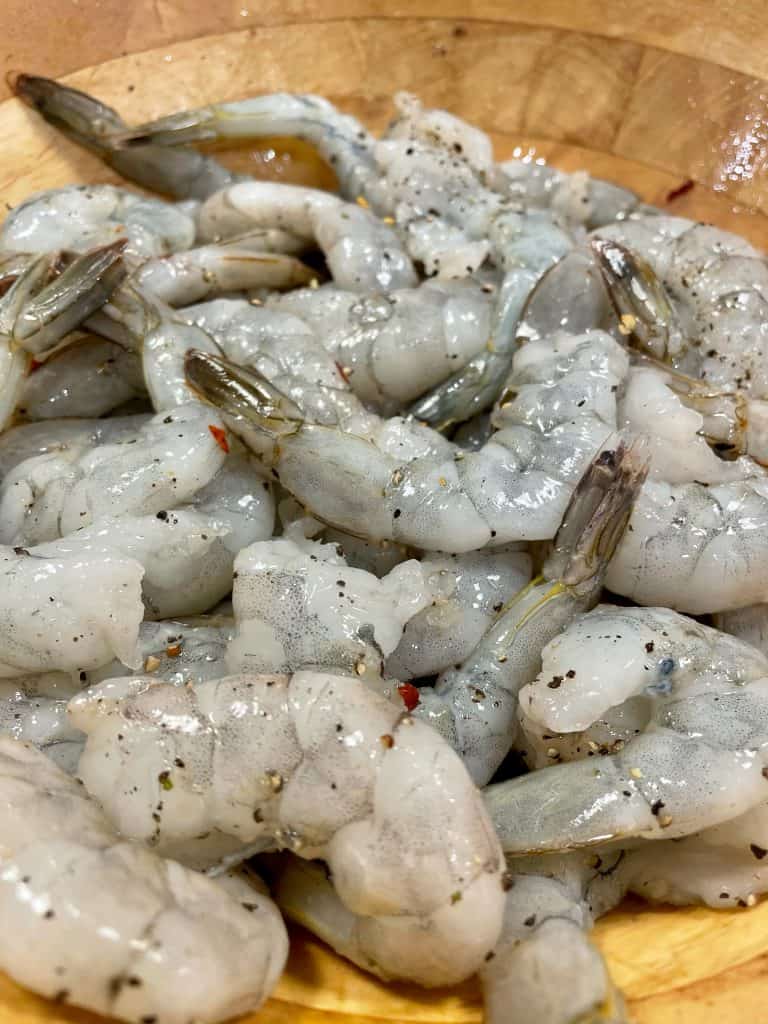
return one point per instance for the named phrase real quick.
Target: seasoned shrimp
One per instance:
(80, 217)
(322, 765)
(241, 264)
(35, 314)
(284, 349)
(298, 604)
(551, 903)
(468, 591)
(340, 139)
(515, 488)
(720, 867)
(698, 761)
(31, 439)
(474, 704)
(393, 347)
(33, 709)
(363, 253)
(182, 173)
(106, 925)
(543, 912)
(67, 612)
(88, 378)
(164, 465)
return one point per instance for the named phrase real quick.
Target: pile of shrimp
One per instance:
(393, 561)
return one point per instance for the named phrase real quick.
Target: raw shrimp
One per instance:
(527, 245)
(35, 314)
(551, 903)
(515, 488)
(578, 197)
(474, 704)
(298, 604)
(363, 253)
(31, 439)
(164, 465)
(90, 377)
(67, 612)
(698, 762)
(35, 712)
(468, 592)
(284, 349)
(79, 217)
(241, 264)
(543, 912)
(721, 867)
(340, 139)
(182, 173)
(322, 765)
(394, 347)
(104, 924)
(178, 652)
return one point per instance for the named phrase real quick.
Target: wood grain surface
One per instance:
(642, 94)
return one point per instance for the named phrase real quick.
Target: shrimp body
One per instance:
(80, 217)
(695, 760)
(300, 604)
(395, 346)
(112, 927)
(170, 459)
(324, 766)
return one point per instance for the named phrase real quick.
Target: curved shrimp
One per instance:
(30, 439)
(394, 347)
(339, 138)
(363, 253)
(468, 591)
(168, 461)
(35, 313)
(515, 488)
(106, 925)
(68, 612)
(474, 704)
(80, 217)
(182, 173)
(322, 765)
(89, 377)
(698, 761)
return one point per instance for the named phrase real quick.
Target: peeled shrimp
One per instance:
(79, 217)
(698, 761)
(515, 488)
(363, 253)
(468, 592)
(322, 765)
(106, 925)
(67, 612)
(394, 347)
(298, 604)
(168, 461)
(474, 703)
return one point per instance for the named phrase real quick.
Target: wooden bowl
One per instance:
(669, 102)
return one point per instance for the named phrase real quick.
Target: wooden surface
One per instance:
(639, 93)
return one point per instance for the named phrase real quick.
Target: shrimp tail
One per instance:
(645, 311)
(597, 515)
(37, 314)
(80, 117)
(244, 394)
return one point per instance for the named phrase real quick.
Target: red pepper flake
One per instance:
(34, 365)
(173, 650)
(343, 371)
(681, 189)
(220, 437)
(409, 694)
